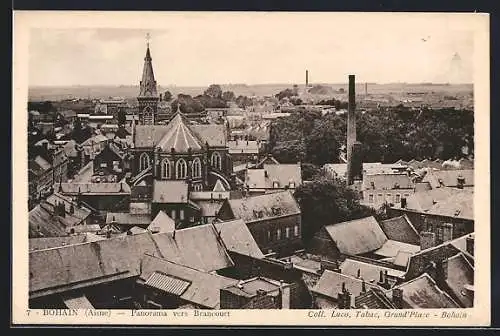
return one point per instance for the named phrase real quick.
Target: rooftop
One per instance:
(357, 236)
(237, 238)
(250, 287)
(400, 229)
(261, 207)
(170, 191)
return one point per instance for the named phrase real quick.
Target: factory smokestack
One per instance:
(307, 79)
(354, 164)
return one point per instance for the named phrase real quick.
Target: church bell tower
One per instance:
(148, 94)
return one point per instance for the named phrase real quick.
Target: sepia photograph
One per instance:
(200, 168)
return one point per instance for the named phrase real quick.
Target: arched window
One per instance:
(148, 116)
(196, 168)
(165, 168)
(216, 160)
(143, 161)
(181, 169)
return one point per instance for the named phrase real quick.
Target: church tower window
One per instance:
(196, 168)
(143, 161)
(165, 168)
(181, 169)
(216, 160)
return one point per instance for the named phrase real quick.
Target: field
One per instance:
(69, 92)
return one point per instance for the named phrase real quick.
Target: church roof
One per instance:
(148, 82)
(179, 136)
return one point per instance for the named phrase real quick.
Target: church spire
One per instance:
(148, 82)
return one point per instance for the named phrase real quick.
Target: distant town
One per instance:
(299, 196)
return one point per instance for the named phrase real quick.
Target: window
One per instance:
(181, 214)
(103, 165)
(181, 169)
(370, 198)
(407, 195)
(278, 234)
(276, 184)
(165, 169)
(398, 198)
(380, 197)
(216, 160)
(268, 235)
(143, 161)
(296, 230)
(173, 214)
(292, 184)
(196, 168)
(287, 232)
(389, 197)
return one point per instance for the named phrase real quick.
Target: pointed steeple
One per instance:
(148, 82)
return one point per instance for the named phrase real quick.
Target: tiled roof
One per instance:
(400, 229)
(198, 247)
(450, 202)
(460, 278)
(170, 191)
(243, 147)
(151, 135)
(126, 218)
(215, 135)
(249, 287)
(38, 166)
(51, 242)
(284, 174)
(258, 208)
(44, 165)
(203, 289)
(369, 272)
(42, 219)
(237, 238)
(66, 268)
(449, 178)
(118, 188)
(357, 236)
(162, 223)
(179, 137)
(387, 182)
(391, 248)
(374, 299)
(422, 292)
(330, 284)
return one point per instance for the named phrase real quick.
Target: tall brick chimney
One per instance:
(307, 78)
(354, 164)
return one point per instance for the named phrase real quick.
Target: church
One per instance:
(179, 157)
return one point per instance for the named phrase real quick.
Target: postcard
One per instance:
(250, 168)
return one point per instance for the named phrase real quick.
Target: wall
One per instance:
(266, 236)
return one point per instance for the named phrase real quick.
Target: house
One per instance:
(372, 272)
(273, 177)
(127, 220)
(111, 160)
(339, 170)
(238, 239)
(421, 292)
(51, 242)
(460, 178)
(273, 219)
(400, 229)
(242, 151)
(172, 198)
(378, 189)
(105, 271)
(54, 215)
(336, 290)
(447, 212)
(373, 299)
(162, 223)
(256, 293)
(168, 285)
(362, 237)
(103, 197)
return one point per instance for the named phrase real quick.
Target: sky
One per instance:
(199, 49)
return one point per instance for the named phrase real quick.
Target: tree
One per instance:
(167, 96)
(228, 96)
(324, 202)
(214, 91)
(187, 104)
(285, 93)
(122, 117)
(243, 101)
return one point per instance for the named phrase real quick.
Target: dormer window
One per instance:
(372, 184)
(292, 184)
(276, 184)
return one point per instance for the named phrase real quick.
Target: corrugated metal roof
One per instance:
(167, 283)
